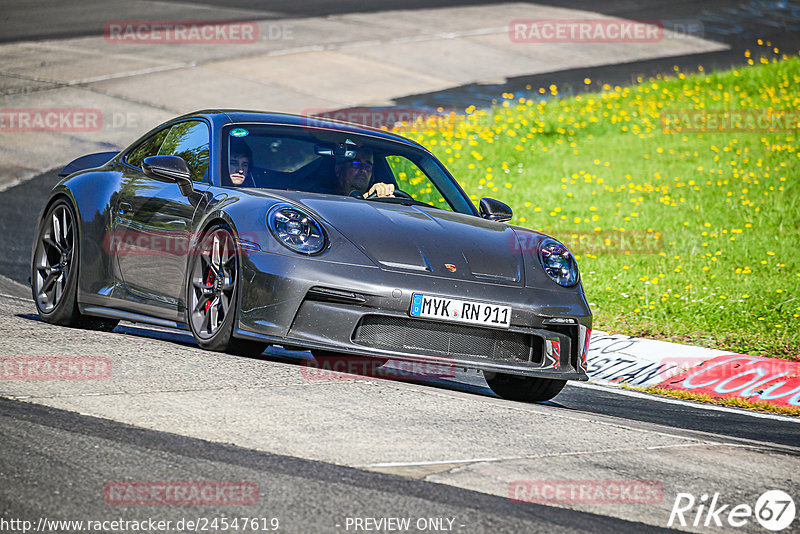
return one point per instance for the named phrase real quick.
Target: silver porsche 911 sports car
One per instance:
(251, 229)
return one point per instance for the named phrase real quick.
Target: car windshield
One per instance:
(336, 163)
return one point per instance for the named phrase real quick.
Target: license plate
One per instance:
(460, 311)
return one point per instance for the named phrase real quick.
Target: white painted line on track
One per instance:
(692, 404)
(535, 456)
(128, 74)
(357, 44)
(298, 50)
(21, 291)
(441, 462)
(14, 297)
(24, 178)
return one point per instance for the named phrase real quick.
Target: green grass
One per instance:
(682, 235)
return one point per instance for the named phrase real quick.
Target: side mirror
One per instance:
(494, 210)
(169, 169)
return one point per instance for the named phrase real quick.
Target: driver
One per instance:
(355, 175)
(239, 164)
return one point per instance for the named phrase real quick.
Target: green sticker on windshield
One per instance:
(239, 132)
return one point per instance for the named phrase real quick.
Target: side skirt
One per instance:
(111, 313)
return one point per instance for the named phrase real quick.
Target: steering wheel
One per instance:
(398, 193)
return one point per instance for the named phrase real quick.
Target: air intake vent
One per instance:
(442, 339)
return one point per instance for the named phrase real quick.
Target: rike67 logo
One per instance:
(774, 510)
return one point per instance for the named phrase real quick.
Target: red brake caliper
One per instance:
(209, 283)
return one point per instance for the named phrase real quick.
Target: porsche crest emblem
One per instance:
(450, 267)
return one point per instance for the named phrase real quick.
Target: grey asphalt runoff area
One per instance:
(46, 450)
(309, 63)
(327, 450)
(429, 432)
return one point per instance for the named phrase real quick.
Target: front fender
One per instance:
(247, 217)
(91, 194)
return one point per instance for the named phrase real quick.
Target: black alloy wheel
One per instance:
(54, 271)
(212, 293)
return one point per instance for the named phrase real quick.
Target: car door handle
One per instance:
(124, 208)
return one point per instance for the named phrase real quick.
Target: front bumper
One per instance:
(363, 311)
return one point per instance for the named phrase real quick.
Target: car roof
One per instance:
(222, 117)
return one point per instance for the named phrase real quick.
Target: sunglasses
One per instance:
(361, 165)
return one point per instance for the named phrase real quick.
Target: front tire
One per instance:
(212, 295)
(54, 271)
(524, 388)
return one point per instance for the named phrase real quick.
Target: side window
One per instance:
(416, 183)
(190, 141)
(148, 147)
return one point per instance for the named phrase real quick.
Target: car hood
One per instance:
(424, 240)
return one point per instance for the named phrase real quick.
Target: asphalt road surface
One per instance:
(55, 464)
(54, 19)
(325, 450)
(49, 19)
(18, 215)
(738, 24)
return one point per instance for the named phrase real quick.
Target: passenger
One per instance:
(239, 164)
(355, 175)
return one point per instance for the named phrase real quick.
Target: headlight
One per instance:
(558, 262)
(296, 230)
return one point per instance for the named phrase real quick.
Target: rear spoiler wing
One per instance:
(90, 161)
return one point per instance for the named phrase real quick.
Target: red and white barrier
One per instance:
(619, 359)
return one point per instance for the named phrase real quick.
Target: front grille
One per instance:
(442, 339)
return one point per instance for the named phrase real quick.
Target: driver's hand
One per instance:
(237, 178)
(381, 189)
